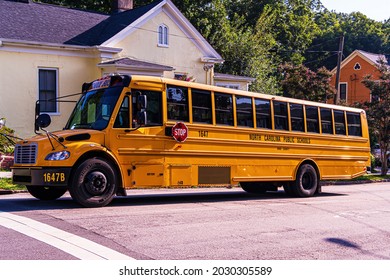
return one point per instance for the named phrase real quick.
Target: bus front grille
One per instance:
(25, 154)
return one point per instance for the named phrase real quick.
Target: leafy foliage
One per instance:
(5, 145)
(378, 110)
(302, 83)
(255, 36)
(6, 184)
(360, 33)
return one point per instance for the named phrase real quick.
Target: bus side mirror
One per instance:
(42, 121)
(37, 113)
(142, 118)
(142, 102)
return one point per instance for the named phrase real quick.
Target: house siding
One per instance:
(356, 91)
(19, 86)
(78, 45)
(187, 62)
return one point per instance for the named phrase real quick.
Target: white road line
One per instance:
(74, 245)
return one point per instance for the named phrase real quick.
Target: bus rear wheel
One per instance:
(306, 182)
(46, 193)
(94, 183)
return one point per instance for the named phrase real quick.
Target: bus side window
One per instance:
(177, 101)
(339, 119)
(154, 108)
(201, 106)
(280, 115)
(326, 121)
(263, 113)
(123, 119)
(223, 109)
(312, 123)
(296, 112)
(354, 124)
(244, 111)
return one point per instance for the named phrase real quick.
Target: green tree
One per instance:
(294, 28)
(360, 33)
(245, 49)
(378, 110)
(302, 83)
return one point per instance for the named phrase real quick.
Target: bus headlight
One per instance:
(58, 155)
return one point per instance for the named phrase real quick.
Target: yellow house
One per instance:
(48, 51)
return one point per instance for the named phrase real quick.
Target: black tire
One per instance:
(46, 193)
(253, 187)
(306, 182)
(94, 183)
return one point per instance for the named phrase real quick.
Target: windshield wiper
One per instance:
(59, 140)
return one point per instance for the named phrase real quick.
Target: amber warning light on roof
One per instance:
(101, 83)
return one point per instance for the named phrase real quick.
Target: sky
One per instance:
(378, 10)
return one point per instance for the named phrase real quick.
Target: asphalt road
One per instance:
(344, 222)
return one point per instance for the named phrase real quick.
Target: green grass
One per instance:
(372, 177)
(6, 184)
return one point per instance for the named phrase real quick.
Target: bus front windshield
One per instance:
(94, 109)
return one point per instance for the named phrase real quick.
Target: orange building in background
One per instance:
(353, 70)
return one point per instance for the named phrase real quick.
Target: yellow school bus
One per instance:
(145, 132)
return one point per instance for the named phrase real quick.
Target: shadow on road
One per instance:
(27, 204)
(346, 244)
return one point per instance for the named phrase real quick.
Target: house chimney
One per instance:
(121, 6)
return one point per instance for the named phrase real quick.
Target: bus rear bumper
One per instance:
(53, 176)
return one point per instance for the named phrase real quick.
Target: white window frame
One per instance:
(162, 35)
(57, 112)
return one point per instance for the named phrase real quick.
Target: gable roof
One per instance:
(170, 10)
(44, 23)
(134, 63)
(112, 25)
(371, 58)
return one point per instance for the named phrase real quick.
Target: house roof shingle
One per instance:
(111, 26)
(60, 25)
(373, 57)
(128, 62)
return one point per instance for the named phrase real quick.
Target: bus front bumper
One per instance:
(53, 176)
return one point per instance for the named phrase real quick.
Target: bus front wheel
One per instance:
(46, 193)
(306, 182)
(94, 183)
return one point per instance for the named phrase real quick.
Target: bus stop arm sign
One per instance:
(180, 132)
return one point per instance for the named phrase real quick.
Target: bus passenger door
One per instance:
(136, 136)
